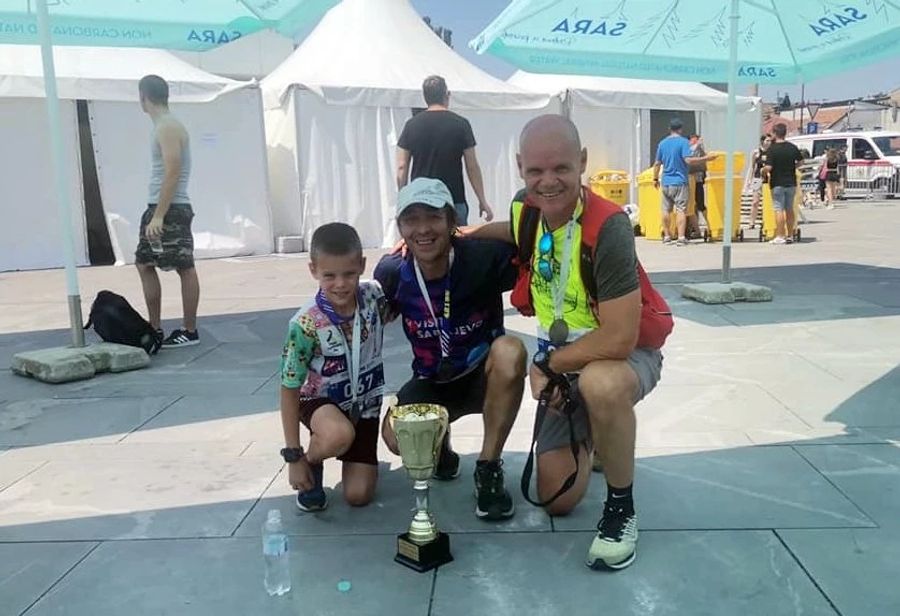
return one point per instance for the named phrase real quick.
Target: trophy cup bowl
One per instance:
(420, 430)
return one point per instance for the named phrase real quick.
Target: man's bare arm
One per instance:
(476, 179)
(490, 231)
(614, 338)
(403, 158)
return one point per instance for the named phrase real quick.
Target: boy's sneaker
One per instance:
(681, 242)
(778, 240)
(667, 240)
(493, 502)
(447, 467)
(181, 338)
(615, 545)
(314, 499)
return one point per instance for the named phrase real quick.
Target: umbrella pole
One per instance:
(60, 174)
(730, 141)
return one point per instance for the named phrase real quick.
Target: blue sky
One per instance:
(466, 18)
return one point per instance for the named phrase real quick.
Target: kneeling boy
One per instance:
(332, 378)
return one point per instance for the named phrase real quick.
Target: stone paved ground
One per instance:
(768, 478)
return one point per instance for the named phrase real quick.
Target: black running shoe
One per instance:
(181, 338)
(447, 467)
(493, 502)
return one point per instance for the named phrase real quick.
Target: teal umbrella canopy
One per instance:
(779, 41)
(192, 25)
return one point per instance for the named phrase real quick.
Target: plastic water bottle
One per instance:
(275, 551)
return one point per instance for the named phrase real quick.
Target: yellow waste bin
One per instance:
(716, 166)
(716, 207)
(650, 204)
(612, 184)
(767, 230)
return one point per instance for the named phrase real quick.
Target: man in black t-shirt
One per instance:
(438, 141)
(780, 169)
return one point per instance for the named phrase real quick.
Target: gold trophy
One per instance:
(420, 430)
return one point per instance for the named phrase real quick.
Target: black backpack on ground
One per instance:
(115, 320)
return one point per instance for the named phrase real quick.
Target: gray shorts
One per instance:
(675, 197)
(783, 198)
(646, 363)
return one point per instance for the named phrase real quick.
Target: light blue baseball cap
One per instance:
(424, 191)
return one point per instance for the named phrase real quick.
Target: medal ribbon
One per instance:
(565, 267)
(443, 323)
(352, 353)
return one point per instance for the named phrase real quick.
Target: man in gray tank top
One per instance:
(166, 241)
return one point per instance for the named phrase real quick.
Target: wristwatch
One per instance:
(292, 454)
(542, 361)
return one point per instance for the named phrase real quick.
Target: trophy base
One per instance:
(426, 557)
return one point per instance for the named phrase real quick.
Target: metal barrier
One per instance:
(871, 179)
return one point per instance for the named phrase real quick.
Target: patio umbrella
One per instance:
(733, 41)
(192, 25)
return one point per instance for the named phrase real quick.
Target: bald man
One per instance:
(594, 345)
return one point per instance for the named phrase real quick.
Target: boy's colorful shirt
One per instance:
(314, 357)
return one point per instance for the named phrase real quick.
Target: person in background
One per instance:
(166, 241)
(673, 155)
(780, 171)
(757, 162)
(438, 141)
(830, 173)
(698, 171)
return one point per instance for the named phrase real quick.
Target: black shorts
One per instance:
(364, 449)
(832, 176)
(177, 239)
(462, 396)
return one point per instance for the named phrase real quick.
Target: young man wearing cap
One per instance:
(447, 291)
(673, 155)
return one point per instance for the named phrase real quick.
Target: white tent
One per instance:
(224, 118)
(613, 114)
(336, 107)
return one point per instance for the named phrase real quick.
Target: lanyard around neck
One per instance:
(351, 351)
(443, 323)
(565, 267)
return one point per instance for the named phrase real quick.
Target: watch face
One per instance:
(540, 357)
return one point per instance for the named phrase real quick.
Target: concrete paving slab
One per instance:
(236, 418)
(738, 366)
(711, 407)
(12, 471)
(175, 382)
(856, 569)
(746, 572)
(84, 500)
(249, 359)
(868, 474)
(844, 403)
(726, 293)
(754, 487)
(453, 505)
(185, 451)
(65, 364)
(224, 577)
(832, 435)
(41, 421)
(28, 570)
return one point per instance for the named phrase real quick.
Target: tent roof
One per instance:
(378, 52)
(631, 93)
(105, 73)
